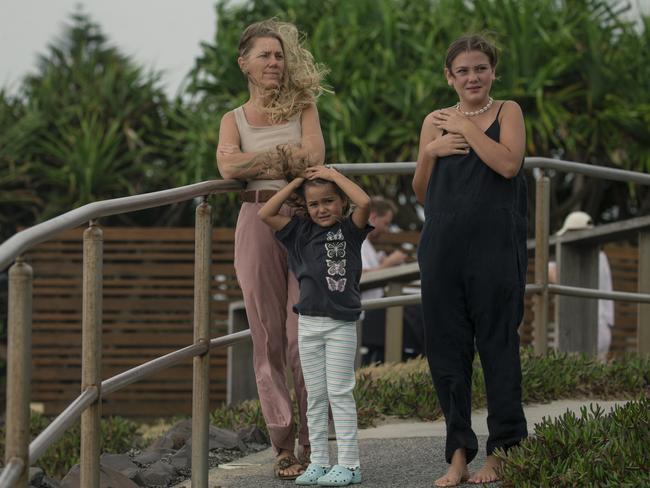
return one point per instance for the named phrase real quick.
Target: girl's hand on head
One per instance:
(321, 171)
(447, 145)
(450, 120)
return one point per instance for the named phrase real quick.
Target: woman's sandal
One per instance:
(341, 476)
(284, 463)
(311, 475)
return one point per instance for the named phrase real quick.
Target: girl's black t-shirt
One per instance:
(327, 263)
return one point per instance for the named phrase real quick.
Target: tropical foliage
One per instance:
(83, 128)
(91, 124)
(573, 65)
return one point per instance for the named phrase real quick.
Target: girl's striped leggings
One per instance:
(327, 351)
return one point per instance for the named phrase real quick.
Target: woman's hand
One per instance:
(321, 171)
(450, 120)
(447, 145)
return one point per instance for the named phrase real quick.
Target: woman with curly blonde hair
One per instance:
(275, 135)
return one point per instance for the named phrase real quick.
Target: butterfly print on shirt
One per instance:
(338, 236)
(335, 267)
(335, 249)
(336, 285)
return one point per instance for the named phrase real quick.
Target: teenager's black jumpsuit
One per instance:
(472, 257)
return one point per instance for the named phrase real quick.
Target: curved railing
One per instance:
(19, 454)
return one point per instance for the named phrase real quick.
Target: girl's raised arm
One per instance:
(354, 192)
(269, 213)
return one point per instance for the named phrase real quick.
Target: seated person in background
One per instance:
(373, 333)
(581, 220)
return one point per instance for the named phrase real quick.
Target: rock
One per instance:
(151, 456)
(123, 464)
(252, 434)
(174, 438)
(158, 473)
(49, 483)
(183, 458)
(35, 475)
(222, 439)
(108, 478)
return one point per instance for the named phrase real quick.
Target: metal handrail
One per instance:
(72, 413)
(605, 172)
(595, 171)
(621, 296)
(11, 472)
(24, 240)
(60, 424)
(28, 238)
(138, 372)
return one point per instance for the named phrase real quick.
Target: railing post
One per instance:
(240, 375)
(643, 325)
(201, 381)
(19, 345)
(394, 327)
(576, 319)
(91, 352)
(540, 300)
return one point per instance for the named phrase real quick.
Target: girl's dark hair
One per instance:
(471, 42)
(320, 182)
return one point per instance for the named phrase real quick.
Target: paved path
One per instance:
(394, 455)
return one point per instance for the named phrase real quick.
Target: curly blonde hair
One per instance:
(302, 78)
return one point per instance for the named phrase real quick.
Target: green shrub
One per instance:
(238, 416)
(118, 436)
(593, 450)
(406, 390)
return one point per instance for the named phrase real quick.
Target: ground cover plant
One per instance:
(594, 449)
(405, 390)
(118, 436)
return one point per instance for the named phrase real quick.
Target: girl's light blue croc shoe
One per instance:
(341, 476)
(311, 475)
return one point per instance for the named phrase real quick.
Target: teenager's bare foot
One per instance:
(488, 473)
(457, 472)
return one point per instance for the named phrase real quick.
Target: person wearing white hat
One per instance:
(577, 221)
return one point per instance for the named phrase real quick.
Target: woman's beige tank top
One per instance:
(255, 139)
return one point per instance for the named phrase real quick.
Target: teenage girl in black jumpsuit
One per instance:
(472, 255)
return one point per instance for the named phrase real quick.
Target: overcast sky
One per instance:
(161, 34)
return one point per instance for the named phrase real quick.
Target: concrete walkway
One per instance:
(395, 454)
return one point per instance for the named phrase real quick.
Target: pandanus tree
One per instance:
(82, 128)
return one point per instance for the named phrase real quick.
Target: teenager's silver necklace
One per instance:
(476, 112)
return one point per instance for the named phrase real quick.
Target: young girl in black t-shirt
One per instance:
(324, 251)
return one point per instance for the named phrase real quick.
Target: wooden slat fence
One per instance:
(148, 312)
(148, 308)
(623, 259)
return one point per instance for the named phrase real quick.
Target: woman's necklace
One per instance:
(476, 112)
